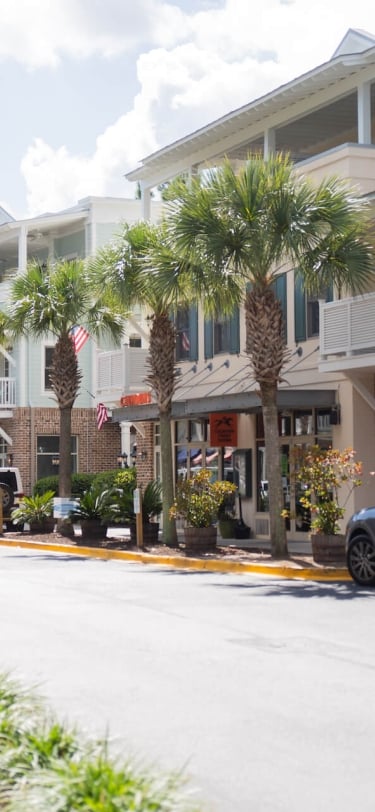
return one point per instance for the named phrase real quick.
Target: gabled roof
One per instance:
(354, 42)
(332, 79)
(5, 217)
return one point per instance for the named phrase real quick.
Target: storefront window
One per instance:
(298, 429)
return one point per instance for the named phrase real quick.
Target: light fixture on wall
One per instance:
(56, 460)
(10, 460)
(122, 460)
(134, 453)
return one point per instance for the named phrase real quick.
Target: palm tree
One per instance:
(247, 226)
(143, 268)
(50, 300)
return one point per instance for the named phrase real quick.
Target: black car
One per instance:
(360, 547)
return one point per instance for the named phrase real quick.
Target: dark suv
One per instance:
(360, 547)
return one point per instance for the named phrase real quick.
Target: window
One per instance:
(48, 455)
(306, 310)
(48, 358)
(222, 334)
(135, 341)
(186, 324)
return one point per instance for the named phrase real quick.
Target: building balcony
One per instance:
(347, 334)
(121, 372)
(7, 394)
(352, 162)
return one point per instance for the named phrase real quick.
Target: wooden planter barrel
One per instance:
(328, 549)
(200, 539)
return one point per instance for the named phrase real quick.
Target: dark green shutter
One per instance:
(299, 309)
(193, 325)
(234, 332)
(208, 338)
(279, 287)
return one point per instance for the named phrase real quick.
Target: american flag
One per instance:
(79, 337)
(101, 415)
(185, 342)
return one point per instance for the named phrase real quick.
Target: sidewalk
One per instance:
(253, 557)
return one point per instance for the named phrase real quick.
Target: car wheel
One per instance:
(8, 497)
(361, 561)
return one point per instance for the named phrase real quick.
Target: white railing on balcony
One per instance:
(347, 327)
(7, 393)
(122, 372)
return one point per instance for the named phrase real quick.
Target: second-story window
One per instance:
(222, 334)
(48, 358)
(186, 324)
(306, 310)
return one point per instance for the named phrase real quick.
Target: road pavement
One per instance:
(258, 688)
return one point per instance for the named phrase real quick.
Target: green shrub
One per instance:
(45, 765)
(116, 477)
(80, 484)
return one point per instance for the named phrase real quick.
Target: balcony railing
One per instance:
(347, 327)
(7, 393)
(121, 372)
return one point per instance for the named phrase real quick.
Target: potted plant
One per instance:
(121, 508)
(91, 513)
(227, 517)
(36, 511)
(329, 477)
(198, 501)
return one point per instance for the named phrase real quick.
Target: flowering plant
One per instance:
(198, 500)
(324, 472)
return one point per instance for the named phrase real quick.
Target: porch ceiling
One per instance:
(329, 94)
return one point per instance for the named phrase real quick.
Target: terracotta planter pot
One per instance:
(328, 549)
(200, 539)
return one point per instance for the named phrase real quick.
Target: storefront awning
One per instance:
(244, 402)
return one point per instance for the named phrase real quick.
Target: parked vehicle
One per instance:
(360, 547)
(12, 491)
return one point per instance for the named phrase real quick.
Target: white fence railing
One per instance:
(7, 393)
(122, 372)
(347, 327)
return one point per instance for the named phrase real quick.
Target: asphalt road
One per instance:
(260, 689)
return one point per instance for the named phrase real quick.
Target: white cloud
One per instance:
(205, 65)
(39, 33)
(56, 179)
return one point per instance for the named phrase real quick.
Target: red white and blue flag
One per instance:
(79, 337)
(101, 415)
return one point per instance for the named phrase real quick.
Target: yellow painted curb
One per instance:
(210, 565)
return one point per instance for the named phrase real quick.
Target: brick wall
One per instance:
(97, 450)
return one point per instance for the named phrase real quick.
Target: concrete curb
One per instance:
(179, 562)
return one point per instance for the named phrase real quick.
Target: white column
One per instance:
(364, 113)
(146, 202)
(269, 146)
(22, 249)
(125, 439)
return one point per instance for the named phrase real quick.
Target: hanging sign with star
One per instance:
(223, 429)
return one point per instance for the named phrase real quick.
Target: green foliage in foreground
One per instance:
(45, 766)
(80, 484)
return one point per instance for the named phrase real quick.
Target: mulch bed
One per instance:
(228, 553)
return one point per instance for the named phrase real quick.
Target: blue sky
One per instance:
(89, 87)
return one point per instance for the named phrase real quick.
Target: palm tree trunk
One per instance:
(65, 470)
(279, 547)
(169, 525)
